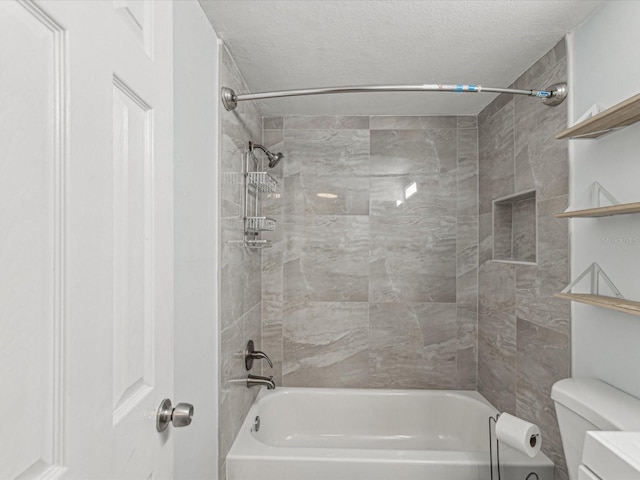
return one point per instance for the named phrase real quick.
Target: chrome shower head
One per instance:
(274, 158)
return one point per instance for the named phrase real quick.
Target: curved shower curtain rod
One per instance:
(552, 96)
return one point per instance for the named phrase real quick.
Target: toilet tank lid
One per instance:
(603, 405)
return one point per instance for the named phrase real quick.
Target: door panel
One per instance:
(86, 260)
(132, 319)
(31, 257)
(141, 43)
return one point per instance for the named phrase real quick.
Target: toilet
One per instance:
(584, 404)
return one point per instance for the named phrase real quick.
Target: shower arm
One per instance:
(552, 96)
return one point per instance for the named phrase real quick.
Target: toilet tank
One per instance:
(584, 404)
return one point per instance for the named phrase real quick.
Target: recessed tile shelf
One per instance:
(621, 115)
(602, 301)
(515, 229)
(622, 209)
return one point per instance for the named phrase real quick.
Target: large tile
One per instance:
(497, 335)
(412, 259)
(272, 202)
(326, 151)
(467, 171)
(496, 156)
(395, 122)
(396, 346)
(240, 275)
(466, 245)
(467, 289)
(272, 273)
(232, 191)
(326, 279)
(536, 285)
(524, 231)
(485, 238)
(413, 152)
(467, 348)
(543, 359)
(503, 231)
(252, 330)
(326, 259)
(326, 194)
(232, 344)
(497, 291)
(234, 398)
(424, 195)
(326, 122)
(272, 123)
(467, 369)
(232, 146)
(467, 323)
(272, 343)
(326, 344)
(553, 234)
(467, 121)
(439, 326)
(541, 161)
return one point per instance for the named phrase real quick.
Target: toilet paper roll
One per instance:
(519, 434)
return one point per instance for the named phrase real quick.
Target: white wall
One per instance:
(606, 69)
(196, 52)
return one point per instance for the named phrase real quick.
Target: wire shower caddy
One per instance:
(256, 182)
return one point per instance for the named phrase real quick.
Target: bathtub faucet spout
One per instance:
(253, 380)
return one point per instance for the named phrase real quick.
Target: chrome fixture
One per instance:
(251, 354)
(274, 158)
(559, 91)
(256, 423)
(180, 416)
(257, 380)
(552, 96)
(257, 183)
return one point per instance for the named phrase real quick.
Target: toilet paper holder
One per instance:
(533, 440)
(495, 421)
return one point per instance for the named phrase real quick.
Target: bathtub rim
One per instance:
(246, 447)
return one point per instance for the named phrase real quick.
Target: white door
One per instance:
(85, 238)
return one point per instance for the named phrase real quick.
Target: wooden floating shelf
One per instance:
(611, 303)
(621, 115)
(622, 209)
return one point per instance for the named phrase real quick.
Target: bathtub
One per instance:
(349, 434)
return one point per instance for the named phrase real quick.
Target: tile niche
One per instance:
(515, 228)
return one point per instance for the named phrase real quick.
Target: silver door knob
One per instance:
(180, 416)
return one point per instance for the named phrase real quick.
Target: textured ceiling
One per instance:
(292, 44)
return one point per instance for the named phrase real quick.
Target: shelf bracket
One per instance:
(591, 112)
(598, 193)
(596, 273)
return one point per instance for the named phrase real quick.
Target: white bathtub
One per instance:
(349, 434)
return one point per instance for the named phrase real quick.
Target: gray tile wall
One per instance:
(241, 279)
(523, 331)
(360, 290)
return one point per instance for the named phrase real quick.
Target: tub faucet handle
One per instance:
(251, 354)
